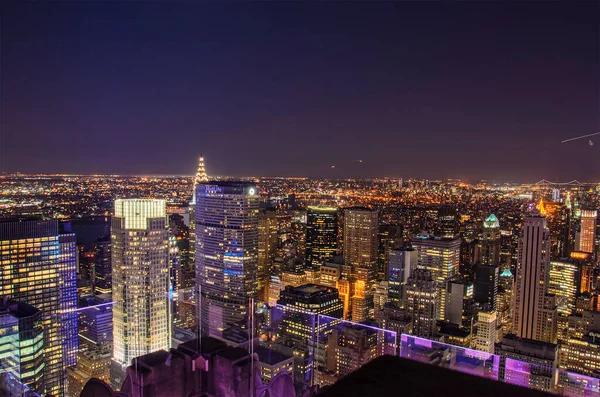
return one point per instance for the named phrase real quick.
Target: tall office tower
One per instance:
(140, 260)
(102, 265)
(486, 331)
(486, 285)
(389, 238)
(360, 239)
(267, 247)
(22, 344)
(401, 262)
(39, 268)
(564, 283)
(447, 217)
(530, 311)
(201, 177)
(321, 235)
(441, 257)
(490, 241)
(587, 234)
(421, 300)
(226, 253)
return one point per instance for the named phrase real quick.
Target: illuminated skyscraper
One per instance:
(587, 234)
(401, 262)
(421, 300)
(226, 253)
(563, 282)
(532, 315)
(441, 257)
(360, 238)
(321, 235)
(267, 247)
(22, 344)
(200, 177)
(39, 268)
(102, 265)
(490, 242)
(140, 260)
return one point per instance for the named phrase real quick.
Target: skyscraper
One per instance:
(39, 268)
(486, 285)
(490, 242)
(421, 300)
(22, 344)
(226, 253)
(587, 234)
(360, 238)
(321, 235)
(441, 257)
(102, 265)
(267, 247)
(140, 260)
(401, 263)
(530, 311)
(486, 331)
(200, 177)
(360, 252)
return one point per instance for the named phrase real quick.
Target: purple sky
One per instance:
(414, 89)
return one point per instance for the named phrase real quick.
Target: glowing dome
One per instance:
(506, 273)
(491, 222)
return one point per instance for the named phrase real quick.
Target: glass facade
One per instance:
(39, 268)
(321, 235)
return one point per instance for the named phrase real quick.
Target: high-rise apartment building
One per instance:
(39, 266)
(532, 313)
(490, 241)
(321, 235)
(267, 247)
(587, 233)
(102, 265)
(441, 257)
(22, 344)
(421, 300)
(226, 253)
(140, 277)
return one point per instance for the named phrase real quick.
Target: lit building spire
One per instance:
(201, 175)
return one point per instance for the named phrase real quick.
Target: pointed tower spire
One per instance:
(201, 175)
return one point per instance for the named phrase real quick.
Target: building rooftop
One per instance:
(270, 356)
(17, 309)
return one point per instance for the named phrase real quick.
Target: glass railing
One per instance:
(289, 345)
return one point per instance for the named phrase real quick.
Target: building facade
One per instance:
(39, 266)
(321, 235)
(226, 253)
(140, 277)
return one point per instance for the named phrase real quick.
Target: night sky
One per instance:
(414, 89)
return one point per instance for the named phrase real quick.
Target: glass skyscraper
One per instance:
(140, 282)
(226, 253)
(39, 268)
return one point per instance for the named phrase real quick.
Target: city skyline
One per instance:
(427, 90)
